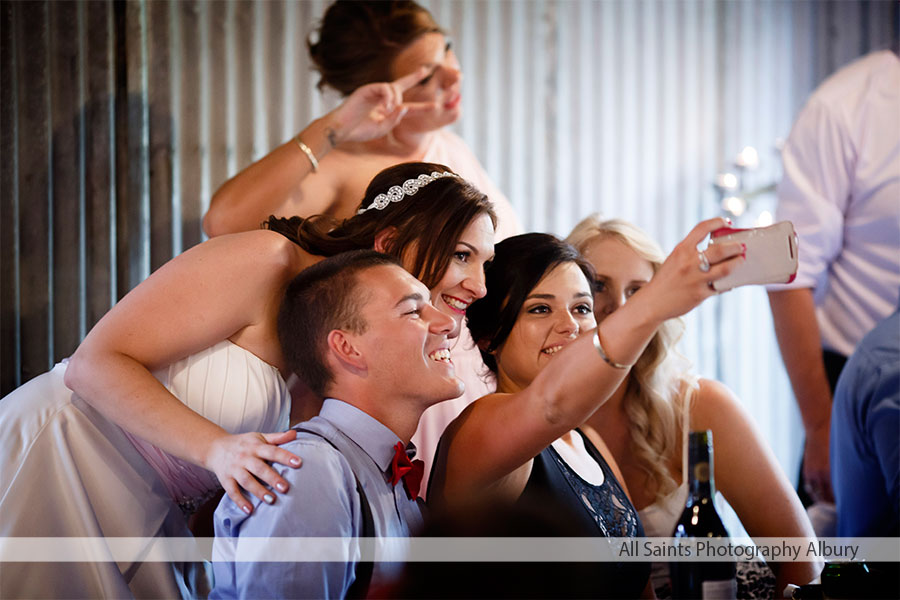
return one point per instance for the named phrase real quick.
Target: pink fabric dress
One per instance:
(69, 472)
(447, 148)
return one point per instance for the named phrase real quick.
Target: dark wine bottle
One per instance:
(695, 579)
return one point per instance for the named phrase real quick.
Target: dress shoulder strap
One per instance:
(595, 454)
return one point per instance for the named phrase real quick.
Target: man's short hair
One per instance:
(322, 298)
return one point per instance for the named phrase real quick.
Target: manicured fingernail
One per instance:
(744, 250)
(295, 462)
(281, 487)
(246, 508)
(729, 221)
(269, 498)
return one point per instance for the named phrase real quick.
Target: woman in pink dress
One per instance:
(326, 167)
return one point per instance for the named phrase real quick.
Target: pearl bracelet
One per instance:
(309, 154)
(603, 355)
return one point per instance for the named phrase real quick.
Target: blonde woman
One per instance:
(646, 420)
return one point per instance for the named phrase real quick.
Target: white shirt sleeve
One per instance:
(819, 160)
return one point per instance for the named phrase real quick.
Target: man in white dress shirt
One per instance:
(841, 189)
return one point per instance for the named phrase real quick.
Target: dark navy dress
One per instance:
(595, 510)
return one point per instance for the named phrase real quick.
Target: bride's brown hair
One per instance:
(423, 227)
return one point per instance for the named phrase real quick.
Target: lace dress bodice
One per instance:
(592, 510)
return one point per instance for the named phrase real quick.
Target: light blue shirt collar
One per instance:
(370, 434)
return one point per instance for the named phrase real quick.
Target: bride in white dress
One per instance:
(69, 471)
(163, 400)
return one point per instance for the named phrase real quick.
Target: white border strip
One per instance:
(455, 549)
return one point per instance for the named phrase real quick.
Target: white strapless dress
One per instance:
(67, 471)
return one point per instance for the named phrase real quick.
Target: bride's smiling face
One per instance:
(463, 281)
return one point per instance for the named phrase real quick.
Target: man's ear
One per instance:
(341, 346)
(383, 238)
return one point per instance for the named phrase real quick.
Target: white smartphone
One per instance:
(771, 255)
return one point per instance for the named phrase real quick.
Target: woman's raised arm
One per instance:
(498, 434)
(263, 188)
(225, 288)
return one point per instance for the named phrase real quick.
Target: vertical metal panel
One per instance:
(273, 52)
(189, 117)
(217, 84)
(518, 143)
(243, 114)
(132, 152)
(34, 217)
(65, 174)
(171, 110)
(204, 81)
(159, 100)
(99, 161)
(119, 120)
(606, 105)
(10, 333)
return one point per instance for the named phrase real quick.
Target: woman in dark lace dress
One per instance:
(522, 443)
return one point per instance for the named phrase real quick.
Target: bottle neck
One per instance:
(699, 488)
(701, 482)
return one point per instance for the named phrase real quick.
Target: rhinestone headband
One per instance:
(397, 192)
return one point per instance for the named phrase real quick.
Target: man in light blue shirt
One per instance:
(865, 445)
(360, 331)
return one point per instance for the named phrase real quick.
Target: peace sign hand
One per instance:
(374, 109)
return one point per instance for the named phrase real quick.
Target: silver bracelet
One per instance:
(603, 355)
(309, 153)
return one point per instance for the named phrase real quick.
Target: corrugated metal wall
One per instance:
(119, 120)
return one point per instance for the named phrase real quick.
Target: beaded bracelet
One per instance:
(603, 355)
(309, 154)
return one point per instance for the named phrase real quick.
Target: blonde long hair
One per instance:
(660, 374)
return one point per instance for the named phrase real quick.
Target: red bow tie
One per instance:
(410, 471)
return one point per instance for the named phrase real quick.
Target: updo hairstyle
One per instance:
(357, 41)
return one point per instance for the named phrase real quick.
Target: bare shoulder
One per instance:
(267, 250)
(475, 427)
(716, 407)
(473, 413)
(716, 394)
(463, 426)
(472, 460)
